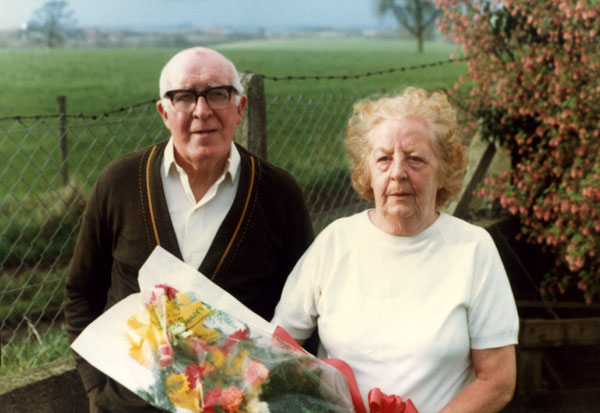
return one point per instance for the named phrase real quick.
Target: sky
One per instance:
(137, 14)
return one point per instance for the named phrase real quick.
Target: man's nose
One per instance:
(202, 108)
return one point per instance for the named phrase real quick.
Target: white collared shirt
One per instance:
(196, 223)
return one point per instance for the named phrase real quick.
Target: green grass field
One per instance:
(98, 80)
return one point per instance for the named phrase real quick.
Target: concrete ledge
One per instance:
(53, 387)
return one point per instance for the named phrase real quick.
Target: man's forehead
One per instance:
(197, 71)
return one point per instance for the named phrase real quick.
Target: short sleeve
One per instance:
(492, 313)
(297, 309)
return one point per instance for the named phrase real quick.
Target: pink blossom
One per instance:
(231, 399)
(199, 346)
(255, 373)
(165, 354)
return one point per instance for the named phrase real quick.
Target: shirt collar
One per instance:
(232, 166)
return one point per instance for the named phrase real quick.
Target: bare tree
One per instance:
(417, 16)
(51, 22)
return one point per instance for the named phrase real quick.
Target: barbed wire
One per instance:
(273, 78)
(81, 115)
(368, 74)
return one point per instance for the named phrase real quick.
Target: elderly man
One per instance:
(238, 219)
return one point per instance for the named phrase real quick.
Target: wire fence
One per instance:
(48, 164)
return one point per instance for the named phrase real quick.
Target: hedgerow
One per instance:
(534, 87)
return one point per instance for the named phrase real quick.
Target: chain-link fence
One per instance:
(48, 165)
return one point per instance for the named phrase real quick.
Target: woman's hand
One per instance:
(494, 384)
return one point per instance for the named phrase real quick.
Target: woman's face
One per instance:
(405, 176)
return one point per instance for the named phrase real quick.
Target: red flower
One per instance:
(240, 335)
(380, 402)
(170, 292)
(194, 374)
(210, 399)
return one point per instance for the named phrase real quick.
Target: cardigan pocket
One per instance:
(128, 257)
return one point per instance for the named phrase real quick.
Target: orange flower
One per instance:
(231, 398)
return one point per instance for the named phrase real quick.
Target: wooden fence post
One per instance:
(252, 132)
(61, 102)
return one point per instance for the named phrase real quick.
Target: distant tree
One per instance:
(51, 22)
(416, 16)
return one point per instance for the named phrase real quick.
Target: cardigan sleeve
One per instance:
(300, 232)
(88, 282)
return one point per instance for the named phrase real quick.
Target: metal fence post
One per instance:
(252, 132)
(61, 102)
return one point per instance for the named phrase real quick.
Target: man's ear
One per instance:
(161, 109)
(240, 108)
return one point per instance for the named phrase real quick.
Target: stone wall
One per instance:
(51, 388)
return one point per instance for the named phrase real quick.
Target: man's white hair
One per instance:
(163, 81)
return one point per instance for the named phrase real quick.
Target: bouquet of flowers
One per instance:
(203, 360)
(189, 346)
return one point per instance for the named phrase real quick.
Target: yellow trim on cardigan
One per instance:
(239, 224)
(154, 227)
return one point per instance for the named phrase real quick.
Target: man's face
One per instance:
(203, 134)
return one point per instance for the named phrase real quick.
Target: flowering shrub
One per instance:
(534, 86)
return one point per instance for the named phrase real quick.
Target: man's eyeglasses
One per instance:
(185, 100)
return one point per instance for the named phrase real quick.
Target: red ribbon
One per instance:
(379, 402)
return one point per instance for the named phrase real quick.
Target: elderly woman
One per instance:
(415, 300)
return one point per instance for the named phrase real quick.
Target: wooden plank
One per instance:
(481, 154)
(573, 305)
(536, 333)
(529, 371)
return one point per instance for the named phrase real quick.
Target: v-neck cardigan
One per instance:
(263, 235)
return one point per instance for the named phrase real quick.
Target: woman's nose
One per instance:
(398, 168)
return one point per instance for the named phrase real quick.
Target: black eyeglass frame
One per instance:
(201, 93)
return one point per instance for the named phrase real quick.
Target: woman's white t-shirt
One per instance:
(403, 312)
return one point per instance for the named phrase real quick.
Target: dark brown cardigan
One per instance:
(265, 232)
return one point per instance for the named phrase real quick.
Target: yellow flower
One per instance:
(143, 337)
(136, 351)
(179, 392)
(219, 358)
(238, 364)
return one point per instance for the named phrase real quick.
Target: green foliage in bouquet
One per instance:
(292, 387)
